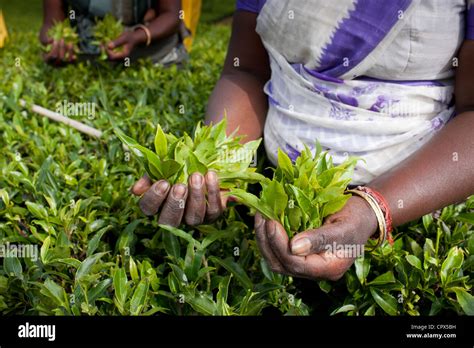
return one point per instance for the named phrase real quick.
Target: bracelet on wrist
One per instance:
(147, 32)
(381, 210)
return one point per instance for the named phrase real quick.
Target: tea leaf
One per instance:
(335, 205)
(194, 165)
(285, 164)
(345, 308)
(161, 144)
(98, 290)
(181, 234)
(54, 291)
(362, 267)
(253, 202)
(44, 250)
(382, 279)
(37, 210)
(94, 242)
(414, 261)
(171, 245)
(386, 301)
(202, 304)
(121, 289)
(139, 297)
(13, 266)
(70, 262)
(465, 300)
(234, 268)
(453, 262)
(222, 306)
(86, 266)
(274, 197)
(133, 270)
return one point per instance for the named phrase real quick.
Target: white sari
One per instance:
(365, 102)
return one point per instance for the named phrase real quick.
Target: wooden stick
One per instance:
(81, 127)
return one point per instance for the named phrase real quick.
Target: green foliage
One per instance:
(302, 194)
(428, 270)
(174, 159)
(215, 10)
(106, 30)
(63, 31)
(22, 16)
(68, 195)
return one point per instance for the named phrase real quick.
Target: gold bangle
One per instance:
(147, 33)
(378, 214)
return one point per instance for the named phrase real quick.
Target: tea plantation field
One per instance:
(68, 195)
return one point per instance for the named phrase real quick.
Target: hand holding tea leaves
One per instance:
(306, 255)
(208, 162)
(123, 46)
(297, 199)
(106, 31)
(61, 43)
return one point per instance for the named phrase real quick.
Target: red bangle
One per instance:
(384, 207)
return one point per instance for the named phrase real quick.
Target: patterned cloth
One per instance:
(366, 78)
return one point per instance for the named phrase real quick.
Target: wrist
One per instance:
(381, 210)
(138, 37)
(367, 219)
(43, 36)
(143, 34)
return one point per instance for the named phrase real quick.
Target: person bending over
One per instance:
(152, 29)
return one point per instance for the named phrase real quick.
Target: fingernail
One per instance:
(179, 191)
(211, 175)
(161, 187)
(196, 180)
(301, 246)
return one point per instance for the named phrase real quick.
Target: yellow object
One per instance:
(3, 30)
(191, 13)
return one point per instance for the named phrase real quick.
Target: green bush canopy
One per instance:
(68, 195)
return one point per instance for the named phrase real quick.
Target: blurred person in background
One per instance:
(153, 29)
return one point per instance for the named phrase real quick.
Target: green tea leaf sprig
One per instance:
(302, 194)
(174, 159)
(105, 30)
(63, 30)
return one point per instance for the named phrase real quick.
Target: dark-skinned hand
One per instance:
(60, 53)
(198, 202)
(310, 254)
(123, 46)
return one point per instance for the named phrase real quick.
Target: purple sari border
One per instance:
(470, 23)
(322, 76)
(359, 34)
(254, 6)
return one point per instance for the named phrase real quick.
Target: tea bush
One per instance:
(98, 255)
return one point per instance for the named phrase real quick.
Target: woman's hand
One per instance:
(201, 200)
(60, 52)
(311, 254)
(124, 45)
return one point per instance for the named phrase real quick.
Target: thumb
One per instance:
(318, 240)
(121, 40)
